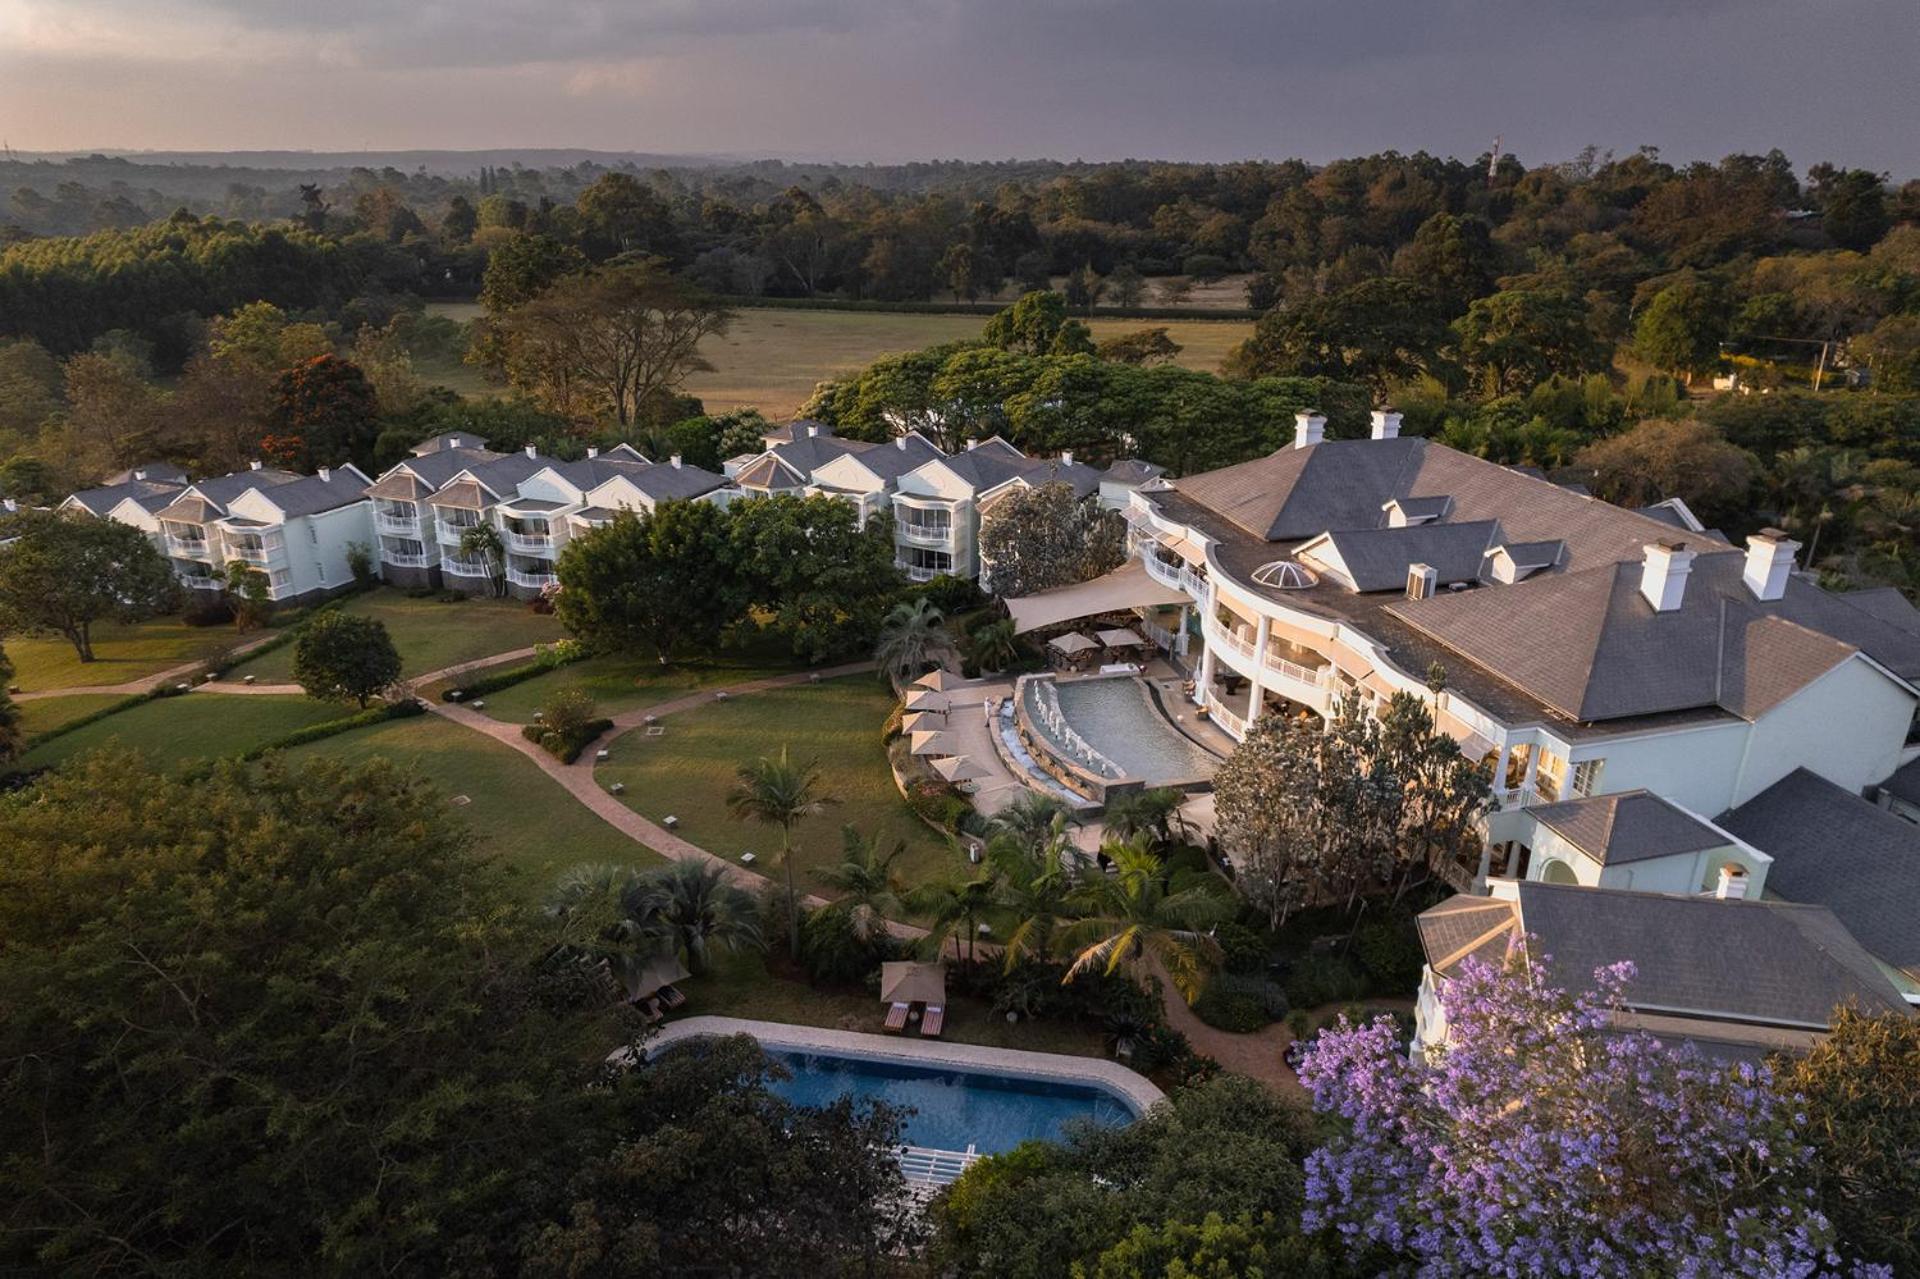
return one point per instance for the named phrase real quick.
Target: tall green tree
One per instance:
(1125, 916)
(823, 581)
(1379, 332)
(662, 581)
(324, 413)
(10, 736)
(60, 575)
(775, 791)
(867, 889)
(912, 637)
(1681, 329)
(952, 906)
(1514, 340)
(1037, 324)
(1041, 538)
(699, 909)
(345, 657)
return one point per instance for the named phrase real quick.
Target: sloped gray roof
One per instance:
(152, 494)
(665, 483)
(810, 452)
(904, 453)
(1377, 559)
(1589, 645)
(465, 494)
(1423, 508)
(1887, 604)
(1905, 782)
(1535, 554)
(399, 485)
(1131, 470)
(222, 489)
(591, 472)
(985, 468)
(441, 465)
(310, 494)
(1083, 479)
(157, 472)
(466, 440)
(1767, 961)
(795, 430)
(765, 472)
(1629, 826)
(1463, 927)
(1834, 849)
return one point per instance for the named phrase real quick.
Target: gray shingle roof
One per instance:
(1777, 963)
(1905, 782)
(467, 440)
(310, 494)
(1887, 604)
(590, 473)
(906, 452)
(1629, 826)
(765, 472)
(1834, 849)
(215, 493)
(158, 472)
(1377, 559)
(795, 430)
(152, 494)
(1131, 470)
(1589, 645)
(665, 483)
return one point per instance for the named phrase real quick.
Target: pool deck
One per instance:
(1139, 1092)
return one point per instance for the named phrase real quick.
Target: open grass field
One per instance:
(177, 730)
(48, 713)
(517, 812)
(620, 682)
(772, 358)
(121, 653)
(430, 635)
(688, 770)
(744, 986)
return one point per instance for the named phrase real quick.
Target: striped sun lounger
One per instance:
(936, 1016)
(896, 1019)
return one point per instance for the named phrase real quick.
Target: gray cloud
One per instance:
(890, 79)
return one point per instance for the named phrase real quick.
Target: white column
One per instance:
(1256, 699)
(1206, 676)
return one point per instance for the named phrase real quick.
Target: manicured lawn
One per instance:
(688, 770)
(176, 730)
(771, 358)
(121, 653)
(47, 713)
(625, 681)
(430, 635)
(743, 986)
(518, 813)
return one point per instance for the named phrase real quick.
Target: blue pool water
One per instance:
(1117, 719)
(953, 1109)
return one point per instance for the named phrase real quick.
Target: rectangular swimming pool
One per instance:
(952, 1109)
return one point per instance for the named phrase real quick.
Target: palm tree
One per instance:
(778, 792)
(1128, 913)
(1150, 814)
(994, 646)
(694, 904)
(1034, 818)
(482, 542)
(911, 639)
(596, 906)
(869, 888)
(1035, 886)
(954, 905)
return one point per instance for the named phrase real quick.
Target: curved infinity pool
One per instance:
(1116, 717)
(953, 1109)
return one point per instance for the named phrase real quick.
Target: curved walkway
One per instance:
(127, 688)
(420, 681)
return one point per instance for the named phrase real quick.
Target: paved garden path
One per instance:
(127, 688)
(1260, 1055)
(419, 681)
(579, 782)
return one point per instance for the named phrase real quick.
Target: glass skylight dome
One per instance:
(1285, 575)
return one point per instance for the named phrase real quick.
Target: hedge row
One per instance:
(406, 708)
(565, 747)
(169, 689)
(551, 658)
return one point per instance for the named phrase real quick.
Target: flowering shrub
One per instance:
(1541, 1141)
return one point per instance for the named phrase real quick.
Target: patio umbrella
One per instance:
(663, 970)
(1071, 643)
(935, 744)
(1121, 637)
(940, 681)
(960, 769)
(907, 981)
(924, 722)
(925, 699)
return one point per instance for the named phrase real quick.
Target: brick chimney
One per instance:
(1309, 428)
(1770, 555)
(1386, 424)
(1663, 574)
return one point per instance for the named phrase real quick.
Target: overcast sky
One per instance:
(901, 79)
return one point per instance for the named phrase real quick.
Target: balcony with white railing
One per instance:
(1516, 796)
(1193, 584)
(918, 534)
(450, 532)
(1160, 570)
(201, 582)
(397, 525)
(457, 567)
(1308, 685)
(1237, 649)
(529, 543)
(534, 581)
(405, 559)
(261, 552)
(191, 548)
(918, 572)
(1219, 714)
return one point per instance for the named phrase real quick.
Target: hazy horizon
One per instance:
(856, 81)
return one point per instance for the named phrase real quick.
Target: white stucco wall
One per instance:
(1848, 726)
(1696, 768)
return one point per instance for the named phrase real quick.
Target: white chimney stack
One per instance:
(593, 451)
(254, 465)
(1308, 429)
(900, 442)
(326, 474)
(1769, 563)
(532, 452)
(1066, 457)
(1733, 883)
(675, 459)
(1663, 574)
(139, 475)
(972, 444)
(813, 428)
(453, 441)
(1386, 424)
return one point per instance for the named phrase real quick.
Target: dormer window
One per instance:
(1405, 512)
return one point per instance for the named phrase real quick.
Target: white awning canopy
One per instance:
(935, 744)
(908, 982)
(1120, 637)
(941, 680)
(960, 768)
(1126, 587)
(925, 699)
(1072, 642)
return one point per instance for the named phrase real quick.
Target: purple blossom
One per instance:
(1543, 1141)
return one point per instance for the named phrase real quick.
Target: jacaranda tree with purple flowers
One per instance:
(1542, 1141)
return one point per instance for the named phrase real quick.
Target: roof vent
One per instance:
(1770, 555)
(453, 441)
(1309, 428)
(1285, 575)
(140, 475)
(1422, 579)
(1663, 574)
(972, 445)
(813, 428)
(900, 442)
(1386, 424)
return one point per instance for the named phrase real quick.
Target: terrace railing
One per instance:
(1234, 724)
(535, 581)
(927, 1166)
